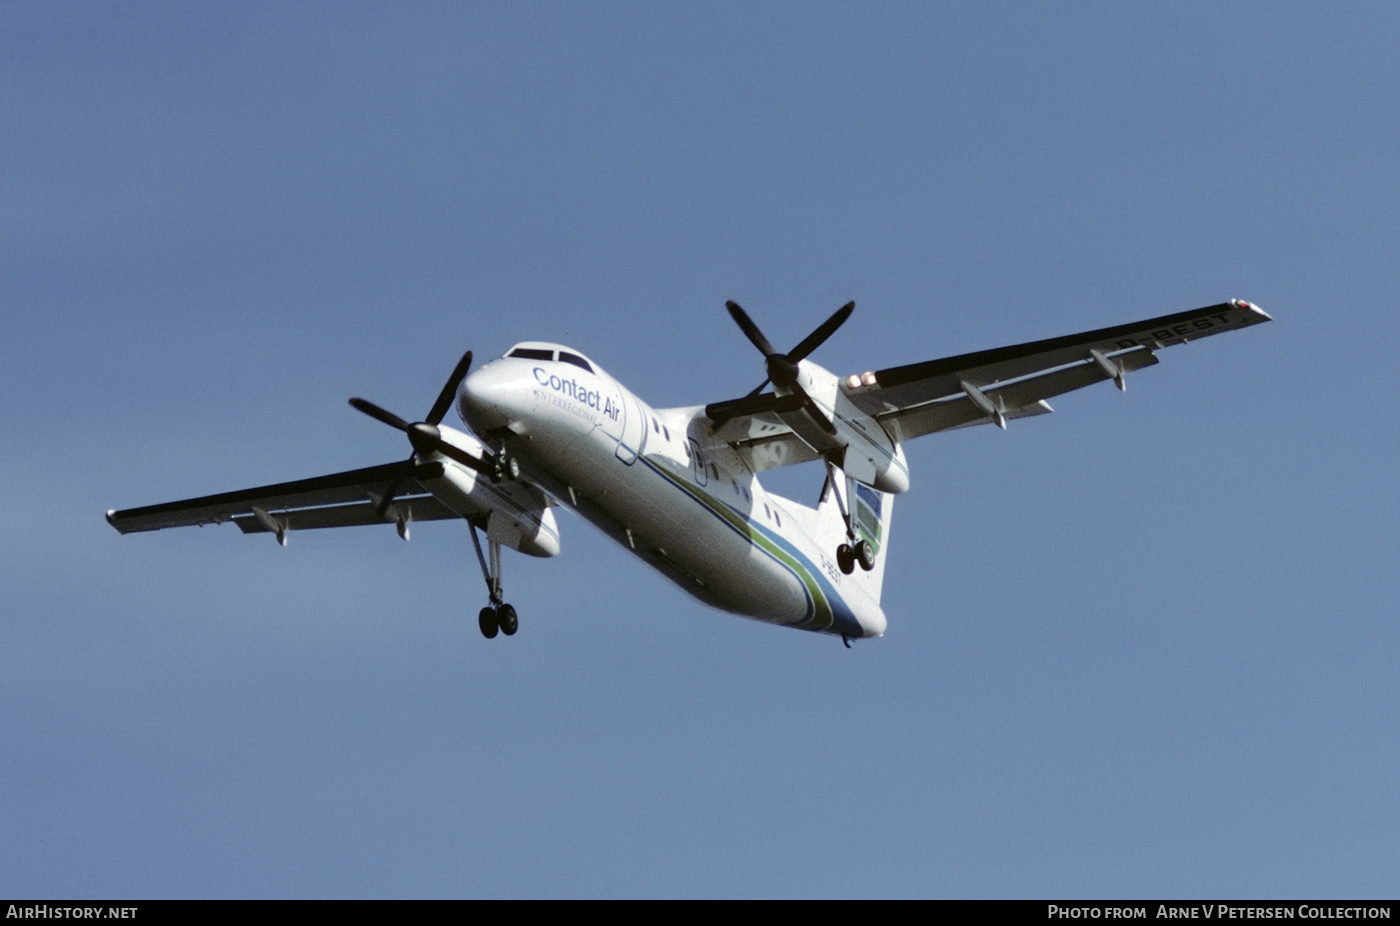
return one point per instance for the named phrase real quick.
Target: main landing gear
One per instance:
(496, 616)
(849, 554)
(493, 619)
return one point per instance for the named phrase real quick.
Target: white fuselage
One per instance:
(657, 483)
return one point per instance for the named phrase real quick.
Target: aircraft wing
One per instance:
(922, 398)
(339, 500)
(981, 387)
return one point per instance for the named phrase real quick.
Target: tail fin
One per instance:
(871, 515)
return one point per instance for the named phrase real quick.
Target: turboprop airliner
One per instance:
(679, 487)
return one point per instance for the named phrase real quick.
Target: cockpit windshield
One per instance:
(531, 353)
(575, 359)
(547, 353)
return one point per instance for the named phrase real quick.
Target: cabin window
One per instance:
(667, 431)
(531, 353)
(714, 471)
(575, 359)
(656, 428)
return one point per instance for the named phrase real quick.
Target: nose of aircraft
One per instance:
(484, 399)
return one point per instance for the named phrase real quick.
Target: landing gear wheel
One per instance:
(505, 616)
(505, 468)
(489, 626)
(865, 555)
(846, 558)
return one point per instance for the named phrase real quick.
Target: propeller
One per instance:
(424, 435)
(783, 369)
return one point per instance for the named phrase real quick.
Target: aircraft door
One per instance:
(698, 457)
(634, 429)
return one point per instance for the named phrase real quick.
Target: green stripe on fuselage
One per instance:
(821, 615)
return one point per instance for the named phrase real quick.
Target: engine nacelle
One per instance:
(864, 450)
(880, 465)
(518, 516)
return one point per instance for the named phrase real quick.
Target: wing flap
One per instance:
(1022, 398)
(419, 508)
(912, 385)
(772, 452)
(350, 490)
(752, 417)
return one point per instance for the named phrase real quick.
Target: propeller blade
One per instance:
(783, 369)
(720, 412)
(449, 391)
(746, 325)
(432, 440)
(379, 414)
(825, 330)
(816, 413)
(404, 472)
(758, 390)
(424, 436)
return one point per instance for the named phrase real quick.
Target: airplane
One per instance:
(679, 487)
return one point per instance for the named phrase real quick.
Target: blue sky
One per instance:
(1142, 647)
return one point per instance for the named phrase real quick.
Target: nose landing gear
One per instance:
(505, 468)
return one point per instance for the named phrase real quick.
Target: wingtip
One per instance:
(1246, 304)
